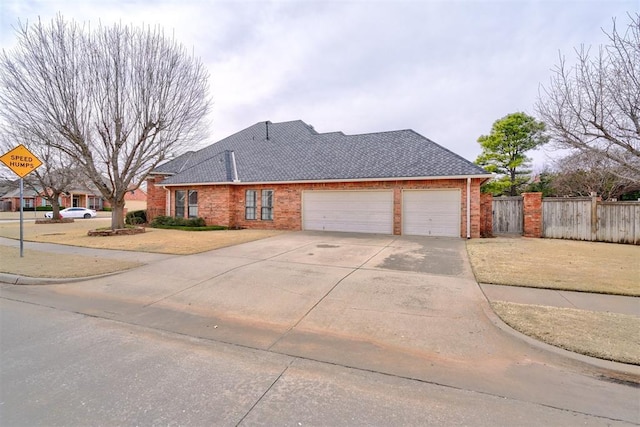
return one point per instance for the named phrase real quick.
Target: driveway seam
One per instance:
(304, 316)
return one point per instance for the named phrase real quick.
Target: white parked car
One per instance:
(74, 213)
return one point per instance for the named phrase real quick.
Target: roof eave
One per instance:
(320, 181)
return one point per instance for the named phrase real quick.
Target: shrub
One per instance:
(169, 221)
(161, 220)
(196, 222)
(136, 217)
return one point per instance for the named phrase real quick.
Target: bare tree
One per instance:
(594, 105)
(117, 100)
(581, 174)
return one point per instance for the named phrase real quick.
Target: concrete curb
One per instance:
(607, 365)
(16, 279)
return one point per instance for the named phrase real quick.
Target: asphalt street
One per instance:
(66, 369)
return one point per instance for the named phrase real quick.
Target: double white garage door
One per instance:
(424, 212)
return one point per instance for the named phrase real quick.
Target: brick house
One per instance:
(287, 176)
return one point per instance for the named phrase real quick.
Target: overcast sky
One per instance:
(446, 69)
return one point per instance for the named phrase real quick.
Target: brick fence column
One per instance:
(486, 215)
(532, 203)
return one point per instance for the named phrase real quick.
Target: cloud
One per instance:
(445, 69)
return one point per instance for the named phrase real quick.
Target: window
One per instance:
(95, 203)
(250, 204)
(193, 204)
(180, 199)
(267, 205)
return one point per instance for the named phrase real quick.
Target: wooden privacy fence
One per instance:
(507, 213)
(579, 218)
(564, 218)
(591, 219)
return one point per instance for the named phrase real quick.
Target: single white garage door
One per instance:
(431, 213)
(354, 211)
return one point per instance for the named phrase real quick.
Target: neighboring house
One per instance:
(287, 176)
(135, 200)
(79, 196)
(11, 201)
(6, 187)
(83, 196)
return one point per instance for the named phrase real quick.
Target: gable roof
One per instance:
(294, 151)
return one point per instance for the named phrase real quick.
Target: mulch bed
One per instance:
(116, 232)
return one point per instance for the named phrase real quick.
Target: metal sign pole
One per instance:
(21, 161)
(21, 228)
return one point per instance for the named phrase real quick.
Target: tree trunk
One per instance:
(513, 190)
(117, 214)
(55, 206)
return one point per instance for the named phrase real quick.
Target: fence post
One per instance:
(532, 205)
(594, 217)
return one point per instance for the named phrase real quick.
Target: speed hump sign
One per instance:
(21, 161)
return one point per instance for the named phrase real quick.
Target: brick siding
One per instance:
(156, 197)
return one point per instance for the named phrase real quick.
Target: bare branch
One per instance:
(594, 105)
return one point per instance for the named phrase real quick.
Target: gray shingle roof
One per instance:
(296, 152)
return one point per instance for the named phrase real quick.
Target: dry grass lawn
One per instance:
(607, 336)
(566, 265)
(52, 265)
(557, 264)
(153, 240)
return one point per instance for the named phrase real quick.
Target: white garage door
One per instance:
(355, 211)
(431, 213)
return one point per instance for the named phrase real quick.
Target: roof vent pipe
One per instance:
(234, 167)
(266, 124)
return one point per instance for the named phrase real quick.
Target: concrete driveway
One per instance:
(404, 306)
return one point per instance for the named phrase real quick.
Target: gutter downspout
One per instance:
(167, 207)
(468, 208)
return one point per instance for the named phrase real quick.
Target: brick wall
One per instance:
(213, 203)
(156, 197)
(225, 204)
(532, 205)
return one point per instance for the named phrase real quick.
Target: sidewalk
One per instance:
(564, 299)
